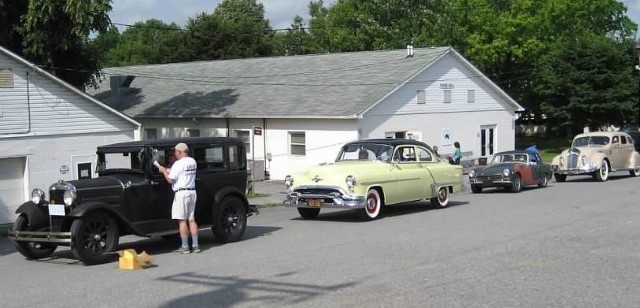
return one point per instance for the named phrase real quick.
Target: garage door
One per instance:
(11, 187)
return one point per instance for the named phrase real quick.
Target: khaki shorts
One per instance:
(184, 205)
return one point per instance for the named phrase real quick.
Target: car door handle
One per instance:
(155, 183)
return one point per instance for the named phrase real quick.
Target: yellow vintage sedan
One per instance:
(369, 174)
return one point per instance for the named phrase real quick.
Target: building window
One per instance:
(6, 78)
(297, 145)
(422, 97)
(471, 96)
(151, 133)
(245, 136)
(193, 132)
(447, 96)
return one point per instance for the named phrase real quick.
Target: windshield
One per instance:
(127, 160)
(365, 151)
(506, 158)
(590, 141)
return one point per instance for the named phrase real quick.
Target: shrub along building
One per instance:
(49, 130)
(294, 112)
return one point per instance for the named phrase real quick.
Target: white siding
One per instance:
(400, 110)
(47, 156)
(450, 72)
(323, 141)
(464, 126)
(37, 105)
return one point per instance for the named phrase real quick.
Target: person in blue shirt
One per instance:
(457, 154)
(533, 152)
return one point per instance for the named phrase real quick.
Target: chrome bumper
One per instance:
(330, 197)
(576, 171)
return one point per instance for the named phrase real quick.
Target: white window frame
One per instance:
(247, 141)
(421, 97)
(147, 132)
(295, 144)
(471, 96)
(446, 96)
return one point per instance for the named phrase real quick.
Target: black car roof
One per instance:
(133, 146)
(512, 152)
(392, 141)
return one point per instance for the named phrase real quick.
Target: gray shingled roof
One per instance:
(337, 85)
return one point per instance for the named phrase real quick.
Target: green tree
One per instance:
(589, 82)
(246, 33)
(148, 42)
(55, 36)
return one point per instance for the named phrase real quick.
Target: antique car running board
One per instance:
(44, 237)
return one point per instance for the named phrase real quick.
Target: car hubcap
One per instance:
(372, 203)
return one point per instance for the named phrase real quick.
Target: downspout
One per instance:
(264, 145)
(226, 120)
(28, 107)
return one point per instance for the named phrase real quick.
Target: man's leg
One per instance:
(184, 233)
(193, 228)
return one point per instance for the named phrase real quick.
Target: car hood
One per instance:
(494, 168)
(107, 189)
(334, 174)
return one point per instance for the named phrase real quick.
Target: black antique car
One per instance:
(511, 170)
(130, 196)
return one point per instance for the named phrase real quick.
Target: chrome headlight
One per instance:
(350, 181)
(506, 172)
(288, 181)
(69, 197)
(37, 195)
(584, 159)
(472, 174)
(561, 160)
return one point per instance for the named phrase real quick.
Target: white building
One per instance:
(49, 130)
(295, 112)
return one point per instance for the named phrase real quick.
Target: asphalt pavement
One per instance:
(274, 191)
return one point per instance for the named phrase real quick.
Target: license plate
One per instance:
(314, 202)
(56, 210)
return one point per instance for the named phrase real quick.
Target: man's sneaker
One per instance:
(197, 249)
(183, 250)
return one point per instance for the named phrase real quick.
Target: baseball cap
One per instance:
(181, 147)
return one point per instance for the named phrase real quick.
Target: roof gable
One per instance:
(67, 86)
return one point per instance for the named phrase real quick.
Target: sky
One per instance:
(279, 12)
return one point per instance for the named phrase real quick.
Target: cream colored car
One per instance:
(597, 154)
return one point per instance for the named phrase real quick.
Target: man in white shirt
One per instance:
(182, 177)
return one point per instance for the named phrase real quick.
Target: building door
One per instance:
(12, 187)
(487, 140)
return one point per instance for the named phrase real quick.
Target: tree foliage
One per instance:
(54, 34)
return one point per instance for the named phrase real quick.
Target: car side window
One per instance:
(615, 139)
(214, 158)
(623, 140)
(424, 155)
(404, 154)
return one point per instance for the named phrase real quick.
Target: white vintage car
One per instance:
(597, 154)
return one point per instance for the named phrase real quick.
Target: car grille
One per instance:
(317, 191)
(489, 178)
(572, 158)
(56, 196)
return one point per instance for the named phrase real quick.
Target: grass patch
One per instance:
(547, 146)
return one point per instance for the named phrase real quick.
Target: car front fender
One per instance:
(36, 215)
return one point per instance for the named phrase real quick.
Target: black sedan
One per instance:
(511, 170)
